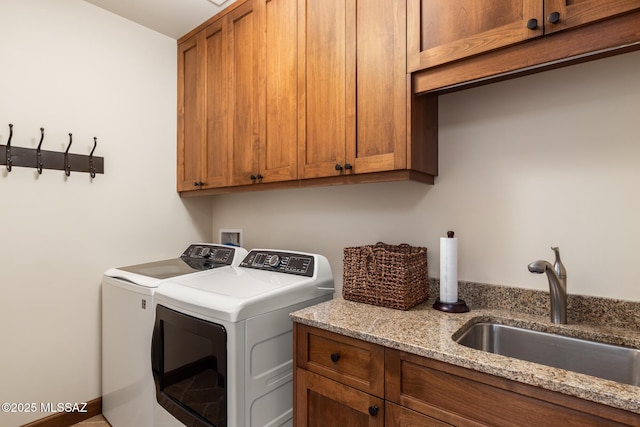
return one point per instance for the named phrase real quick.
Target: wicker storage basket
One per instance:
(386, 275)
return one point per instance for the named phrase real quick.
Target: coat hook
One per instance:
(8, 148)
(92, 169)
(67, 166)
(39, 152)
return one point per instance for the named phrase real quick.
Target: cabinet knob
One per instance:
(338, 167)
(373, 410)
(554, 18)
(335, 357)
(198, 184)
(348, 166)
(253, 177)
(259, 177)
(532, 24)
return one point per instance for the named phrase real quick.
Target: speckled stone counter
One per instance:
(430, 333)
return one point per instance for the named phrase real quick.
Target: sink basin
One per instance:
(600, 360)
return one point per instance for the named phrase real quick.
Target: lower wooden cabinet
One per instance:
(464, 397)
(337, 383)
(397, 416)
(324, 402)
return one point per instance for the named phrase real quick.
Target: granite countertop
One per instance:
(428, 332)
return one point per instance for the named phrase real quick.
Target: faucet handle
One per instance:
(558, 266)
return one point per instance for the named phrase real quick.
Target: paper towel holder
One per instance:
(449, 307)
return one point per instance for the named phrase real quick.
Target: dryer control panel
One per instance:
(281, 262)
(203, 257)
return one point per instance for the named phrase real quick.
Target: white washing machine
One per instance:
(222, 350)
(128, 392)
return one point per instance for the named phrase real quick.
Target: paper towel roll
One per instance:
(448, 269)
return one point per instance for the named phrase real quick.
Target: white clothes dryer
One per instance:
(127, 323)
(222, 350)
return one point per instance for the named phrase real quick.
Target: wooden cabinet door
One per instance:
(243, 84)
(381, 87)
(215, 116)
(321, 402)
(326, 85)
(190, 113)
(216, 126)
(354, 86)
(441, 31)
(572, 13)
(278, 105)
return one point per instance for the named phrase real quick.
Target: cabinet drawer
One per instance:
(468, 398)
(350, 361)
(397, 416)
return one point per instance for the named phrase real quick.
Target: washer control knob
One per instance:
(274, 261)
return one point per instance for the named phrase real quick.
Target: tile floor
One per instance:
(97, 421)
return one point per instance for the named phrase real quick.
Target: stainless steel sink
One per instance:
(600, 360)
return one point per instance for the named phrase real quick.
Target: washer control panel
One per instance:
(281, 262)
(208, 255)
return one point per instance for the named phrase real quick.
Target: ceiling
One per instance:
(173, 18)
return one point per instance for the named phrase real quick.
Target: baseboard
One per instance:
(66, 419)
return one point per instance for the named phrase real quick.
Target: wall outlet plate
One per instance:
(231, 236)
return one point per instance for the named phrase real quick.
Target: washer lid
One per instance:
(196, 258)
(161, 269)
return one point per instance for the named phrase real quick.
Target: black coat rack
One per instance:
(39, 159)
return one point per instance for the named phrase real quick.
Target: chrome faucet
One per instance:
(557, 276)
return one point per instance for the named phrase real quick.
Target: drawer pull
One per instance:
(335, 357)
(373, 410)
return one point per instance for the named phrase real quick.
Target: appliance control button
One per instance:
(274, 261)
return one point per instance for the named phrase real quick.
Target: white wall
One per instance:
(69, 66)
(548, 159)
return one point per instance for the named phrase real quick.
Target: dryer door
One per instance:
(189, 363)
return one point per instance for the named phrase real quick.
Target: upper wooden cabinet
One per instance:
(326, 110)
(278, 93)
(441, 31)
(382, 98)
(210, 102)
(286, 91)
(237, 98)
(454, 43)
(243, 86)
(191, 145)
(446, 30)
(355, 97)
(563, 14)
